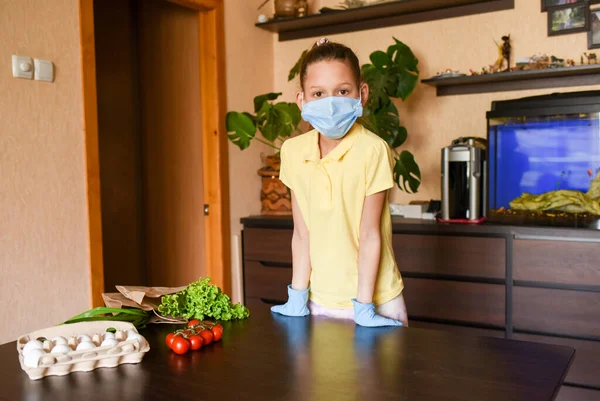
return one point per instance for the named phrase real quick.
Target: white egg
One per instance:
(61, 349)
(109, 342)
(59, 340)
(85, 345)
(31, 345)
(108, 334)
(137, 337)
(84, 338)
(131, 333)
(32, 358)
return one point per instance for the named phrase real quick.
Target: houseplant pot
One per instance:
(275, 197)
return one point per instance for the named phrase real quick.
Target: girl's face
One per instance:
(331, 78)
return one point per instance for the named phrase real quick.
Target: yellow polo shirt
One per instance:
(331, 192)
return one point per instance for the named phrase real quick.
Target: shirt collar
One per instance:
(313, 152)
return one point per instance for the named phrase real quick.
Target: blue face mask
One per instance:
(332, 116)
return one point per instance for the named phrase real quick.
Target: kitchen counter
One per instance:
(276, 358)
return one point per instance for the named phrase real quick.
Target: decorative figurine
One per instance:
(504, 51)
(591, 58)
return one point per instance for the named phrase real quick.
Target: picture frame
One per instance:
(553, 3)
(569, 18)
(594, 30)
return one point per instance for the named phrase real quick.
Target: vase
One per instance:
(275, 197)
(285, 8)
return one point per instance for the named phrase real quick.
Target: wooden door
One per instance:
(171, 139)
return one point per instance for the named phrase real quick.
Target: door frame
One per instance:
(215, 162)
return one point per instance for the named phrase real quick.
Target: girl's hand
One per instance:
(365, 315)
(296, 304)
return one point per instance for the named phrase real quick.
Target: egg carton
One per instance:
(84, 360)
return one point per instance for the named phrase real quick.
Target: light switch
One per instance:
(22, 67)
(44, 70)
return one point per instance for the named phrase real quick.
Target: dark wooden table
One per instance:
(279, 358)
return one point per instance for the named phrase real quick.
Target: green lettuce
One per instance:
(201, 300)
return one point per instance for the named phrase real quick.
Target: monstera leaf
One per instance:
(277, 124)
(241, 128)
(391, 74)
(386, 124)
(293, 111)
(260, 100)
(407, 173)
(296, 68)
(407, 67)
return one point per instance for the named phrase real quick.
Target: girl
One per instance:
(339, 175)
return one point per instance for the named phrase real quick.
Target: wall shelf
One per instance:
(399, 12)
(517, 80)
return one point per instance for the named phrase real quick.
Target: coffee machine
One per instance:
(464, 181)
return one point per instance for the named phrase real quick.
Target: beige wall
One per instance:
(458, 43)
(44, 273)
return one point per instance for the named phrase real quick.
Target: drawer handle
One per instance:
(281, 265)
(551, 238)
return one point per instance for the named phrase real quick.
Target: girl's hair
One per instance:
(324, 50)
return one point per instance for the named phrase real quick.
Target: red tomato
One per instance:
(193, 322)
(207, 336)
(169, 339)
(196, 342)
(180, 345)
(217, 332)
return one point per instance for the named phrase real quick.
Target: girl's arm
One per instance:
(369, 246)
(300, 249)
(298, 290)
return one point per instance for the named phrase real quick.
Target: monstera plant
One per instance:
(392, 74)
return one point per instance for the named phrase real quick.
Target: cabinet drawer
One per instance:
(268, 245)
(467, 302)
(267, 281)
(585, 369)
(450, 255)
(557, 311)
(564, 262)
(568, 393)
(470, 331)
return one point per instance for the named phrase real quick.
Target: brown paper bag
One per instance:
(145, 298)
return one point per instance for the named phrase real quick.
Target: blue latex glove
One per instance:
(296, 304)
(364, 315)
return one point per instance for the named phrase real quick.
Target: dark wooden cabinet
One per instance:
(537, 284)
(471, 303)
(450, 255)
(557, 311)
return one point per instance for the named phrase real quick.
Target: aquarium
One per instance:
(543, 144)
